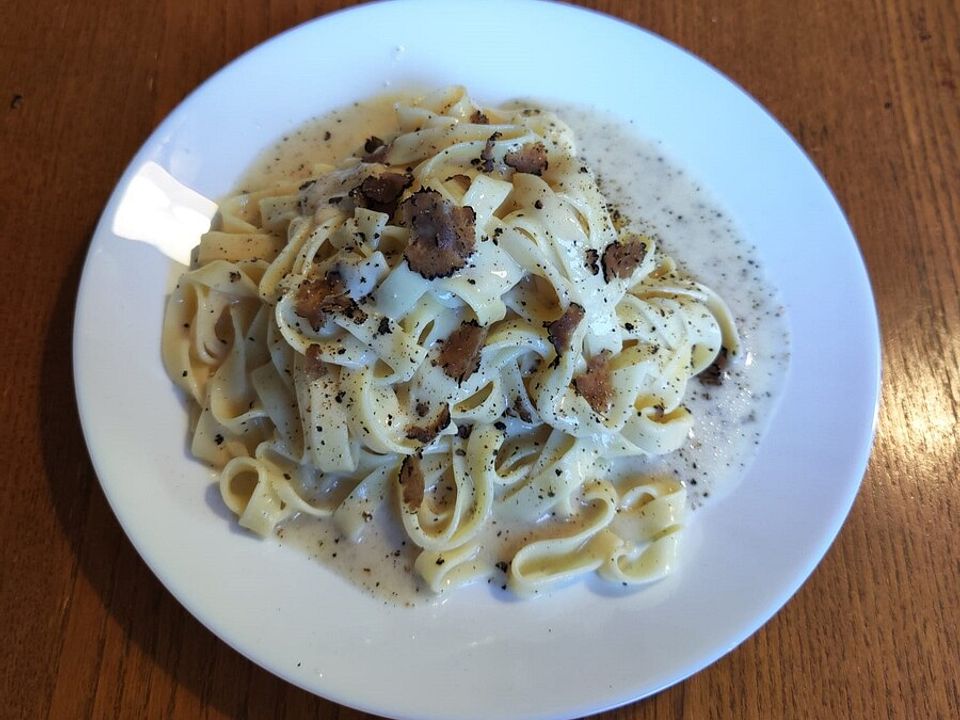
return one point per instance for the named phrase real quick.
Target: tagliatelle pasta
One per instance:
(448, 329)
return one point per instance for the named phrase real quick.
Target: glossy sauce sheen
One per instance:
(660, 200)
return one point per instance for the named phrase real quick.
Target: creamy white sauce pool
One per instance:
(659, 199)
(663, 200)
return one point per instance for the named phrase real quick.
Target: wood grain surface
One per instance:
(868, 87)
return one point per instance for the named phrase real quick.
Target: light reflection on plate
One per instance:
(580, 650)
(157, 209)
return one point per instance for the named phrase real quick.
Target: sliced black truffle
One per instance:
(411, 482)
(442, 236)
(375, 150)
(313, 364)
(486, 155)
(530, 158)
(317, 298)
(620, 259)
(595, 384)
(427, 433)
(561, 330)
(519, 409)
(381, 192)
(461, 179)
(592, 261)
(460, 355)
(715, 373)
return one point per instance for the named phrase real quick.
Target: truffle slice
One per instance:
(427, 433)
(461, 179)
(313, 364)
(519, 409)
(595, 384)
(375, 150)
(620, 259)
(442, 235)
(561, 330)
(530, 158)
(460, 356)
(592, 261)
(715, 373)
(381, 192)
(317, 298)
(486, 155)
(410, 478)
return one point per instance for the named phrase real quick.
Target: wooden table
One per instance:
(869, 88)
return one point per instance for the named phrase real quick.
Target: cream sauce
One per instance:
(659, 199)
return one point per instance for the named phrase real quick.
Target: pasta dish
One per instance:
(449, 330)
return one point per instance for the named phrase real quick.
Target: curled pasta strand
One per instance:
(545, 563)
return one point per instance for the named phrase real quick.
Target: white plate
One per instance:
(474, 656)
